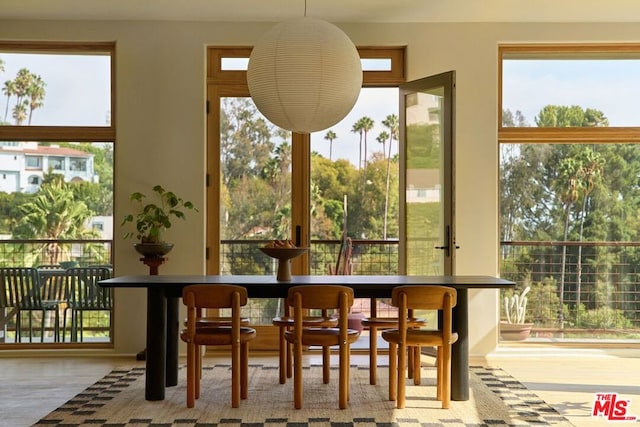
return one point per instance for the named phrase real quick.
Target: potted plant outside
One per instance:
(515, 328)
(153, 219)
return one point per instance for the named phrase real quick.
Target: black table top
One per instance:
(269, 287)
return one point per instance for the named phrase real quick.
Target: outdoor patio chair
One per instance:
(20, 293)
(84, 294)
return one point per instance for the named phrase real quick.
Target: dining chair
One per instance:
(20, 293)
(321, 297)
(198, 297)
(377, 324)
(285, 323)
(441, 298)
(84, 294)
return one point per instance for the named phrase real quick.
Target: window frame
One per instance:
(221, 83)
(63, 133)
(574, 135)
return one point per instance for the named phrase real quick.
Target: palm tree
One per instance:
(330, 136)
(36, 94)
(8, 89)
(382, 139)
(391, 123)
(19, 112)
(54, 214)
(366, 124)
(357, 128)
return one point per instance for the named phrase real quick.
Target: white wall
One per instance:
(160, 120)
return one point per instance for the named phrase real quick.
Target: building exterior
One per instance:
(23, 165)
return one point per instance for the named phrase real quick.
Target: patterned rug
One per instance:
(496, 399)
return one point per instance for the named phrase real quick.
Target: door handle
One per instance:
(448, 242)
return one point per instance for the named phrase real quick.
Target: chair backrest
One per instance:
(197, 297)
(53, 286)
(20, 288)
(83, 291)
(322, 297)
(415, 297)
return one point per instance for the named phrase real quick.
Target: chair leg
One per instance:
(373, 354)
(42, 326)
(18, 326)
(244, 370)
(402, 372)
(56, 327)
(439, 373)
(326, 364)
(30, 326)
(343, 381)
(289, 350)
(197, 360)
(283, 356)
(235, 375)
(191, 374)
(415, 363)
(297, 375)
(393, 371)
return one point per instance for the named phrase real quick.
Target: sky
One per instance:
(78, 91)
(375, 103)
(611, 86)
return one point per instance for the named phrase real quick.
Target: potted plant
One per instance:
(515, 328)
(153, 219)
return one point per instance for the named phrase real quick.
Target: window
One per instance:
(57, 152)
(78, 165)
(266, 188)
(56, 163)
(33, 162)
(569, 192)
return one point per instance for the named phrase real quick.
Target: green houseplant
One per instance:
(154, 218)
(515, 327)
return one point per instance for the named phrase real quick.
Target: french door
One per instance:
(427, 199)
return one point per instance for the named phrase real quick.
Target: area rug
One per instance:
(496, 399)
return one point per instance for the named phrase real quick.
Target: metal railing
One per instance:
(581, 290)
(47, 255)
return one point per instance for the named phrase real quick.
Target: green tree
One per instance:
(53, 214)
(510, 119)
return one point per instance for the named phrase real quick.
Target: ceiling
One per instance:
(331, 10)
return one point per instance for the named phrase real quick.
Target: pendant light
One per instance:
(304, 75)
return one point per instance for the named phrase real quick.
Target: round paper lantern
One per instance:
(304, 75)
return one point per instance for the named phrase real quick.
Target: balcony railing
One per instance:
(600, 281)
(579, 290)
(52, 258)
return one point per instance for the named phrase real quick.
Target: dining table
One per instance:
(163, 323)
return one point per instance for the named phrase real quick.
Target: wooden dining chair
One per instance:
(321, 297)
(441, 298)
(377, 324)
(285, 323)
(198, 297)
